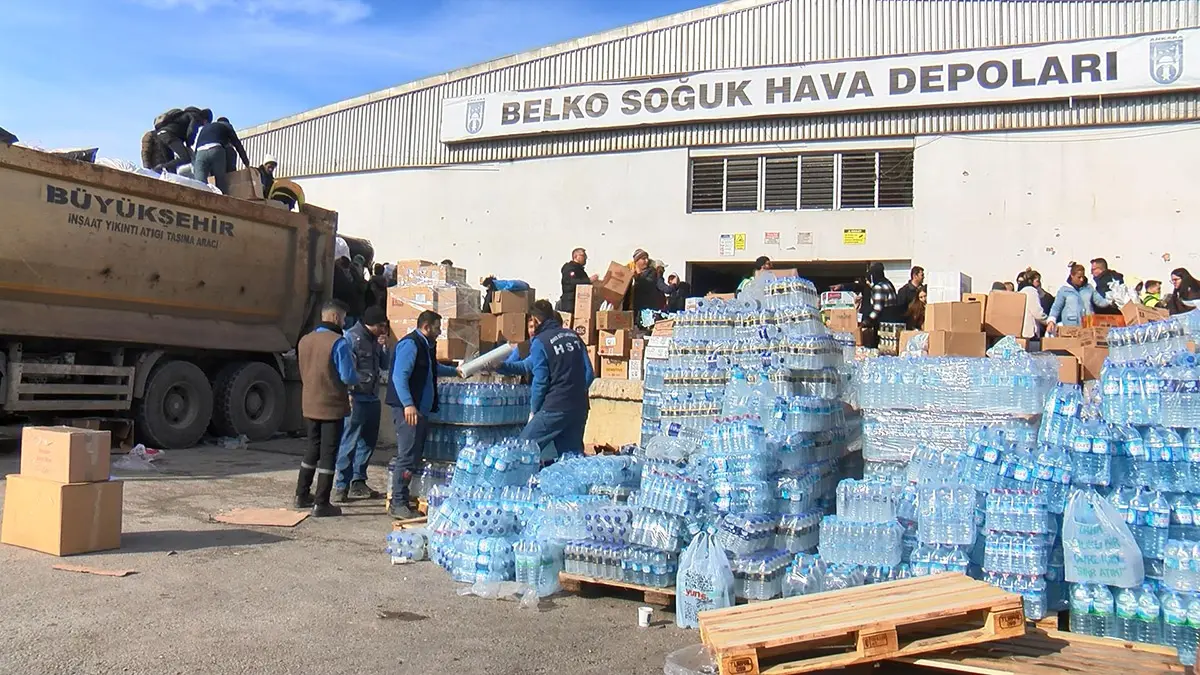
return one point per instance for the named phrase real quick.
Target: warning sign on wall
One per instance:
(739, 241)
(855, 237)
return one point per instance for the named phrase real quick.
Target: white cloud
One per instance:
(336, 11)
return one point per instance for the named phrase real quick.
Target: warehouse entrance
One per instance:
(724, 277)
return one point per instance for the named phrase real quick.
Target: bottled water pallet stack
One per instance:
(471, 413)
(1143, 430)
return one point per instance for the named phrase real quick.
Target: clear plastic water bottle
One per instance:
(1148, 627)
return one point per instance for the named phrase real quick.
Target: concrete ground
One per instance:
(213, 598)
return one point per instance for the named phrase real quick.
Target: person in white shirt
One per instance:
(1035, 317)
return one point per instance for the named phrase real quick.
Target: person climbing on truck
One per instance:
(215, 144)
(176, 130)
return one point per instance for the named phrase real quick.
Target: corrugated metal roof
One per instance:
(399, 127)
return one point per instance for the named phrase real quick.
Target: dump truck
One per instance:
(129, 296)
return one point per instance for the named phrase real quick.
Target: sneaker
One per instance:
(341, 495)
(304, 501)
(325, 511)
(402, 512)
(360, 490)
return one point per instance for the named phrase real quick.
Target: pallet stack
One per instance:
(63, 502)
(422, 285)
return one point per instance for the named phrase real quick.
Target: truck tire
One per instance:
(176, 407)
(250, 401)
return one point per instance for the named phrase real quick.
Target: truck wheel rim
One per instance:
(178, 408)
(256, 402)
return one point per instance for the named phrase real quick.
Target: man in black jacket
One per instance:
(908, 292)
(573, 274)
(1104, 279)
(215, 144)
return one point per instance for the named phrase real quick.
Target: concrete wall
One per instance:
(988, 205)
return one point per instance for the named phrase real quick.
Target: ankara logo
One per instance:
(1166, 59)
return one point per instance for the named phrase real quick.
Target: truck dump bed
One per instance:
(93, 253)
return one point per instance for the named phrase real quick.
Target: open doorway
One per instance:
(724, 277)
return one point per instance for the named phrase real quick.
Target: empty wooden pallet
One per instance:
(1041, 652)
(860, 625)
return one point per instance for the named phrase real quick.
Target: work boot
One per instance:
(324, 488)
(360, 490)
(304, 501)
(400, 511)
(341, 495)
(325, 510)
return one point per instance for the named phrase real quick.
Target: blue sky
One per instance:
(96, 72)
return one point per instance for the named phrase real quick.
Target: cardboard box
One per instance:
(1135, 313)
(663, 328)
(614, 285)
(508, 302)
(587, 301)
(946, 286)
(121, 429)
(1061, 344)
(246, 184)
(905, 336)
(980, 298)
(1004, 313)
(444, 273)
(407, 271)
(565, 317)
(616, 343)
(585, 328)
(452, 302)
(1068, 331)
(614, 320)
(637, 349)
(845, 320)
(459, 340)
(62, 518)
(636, 369)
(1108, 320)
(1068, 369)
(614, 368)
(954, 317)
(1094, 337)
(595, 359)
(946, 343)
(65, 454)
(495, 328)
(1091, 360)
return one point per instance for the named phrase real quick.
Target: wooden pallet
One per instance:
(859, 625)
(581, 585)
(1054, 621)
(1040, 652)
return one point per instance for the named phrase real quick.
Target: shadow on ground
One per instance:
(163, 541)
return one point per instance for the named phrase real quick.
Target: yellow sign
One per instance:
(854, 237)
(739, 241)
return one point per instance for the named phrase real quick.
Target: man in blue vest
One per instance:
(562, 372)
(412, 396)
(361, 432)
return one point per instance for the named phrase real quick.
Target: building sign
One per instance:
(855, 237)
(1107, 66)
(725, 245)
(739, 241)
(771, 238)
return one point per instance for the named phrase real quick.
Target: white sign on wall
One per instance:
(1107, 66)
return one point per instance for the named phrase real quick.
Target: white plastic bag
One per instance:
(1097, 545)
(705, 581)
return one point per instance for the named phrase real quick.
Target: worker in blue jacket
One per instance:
(412, 395)
(562, 372)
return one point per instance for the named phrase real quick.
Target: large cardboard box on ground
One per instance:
(494, 328)
(946, 343)
(614, 285)
(61, 518)
(246, 184)
(65, 454)
(614, 368)
(614, 320)
(616, 343)
(511, 302)
(451, 302)
(1004, 313)
(844, 320)
(1135, 313)
(954, 317)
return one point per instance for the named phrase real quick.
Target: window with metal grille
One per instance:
(858, 180)
(780, 175)
(708, 184)
(817, 181)
(741, 184)
(895, 179)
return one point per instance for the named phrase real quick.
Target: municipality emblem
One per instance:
(474, 116)
(1166, 59)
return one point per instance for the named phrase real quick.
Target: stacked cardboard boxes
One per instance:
(955, 329)
(63, 502)
(1081, 352)
(583, 319)
(437, 288)
(508, 321)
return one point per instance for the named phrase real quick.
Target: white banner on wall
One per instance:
(1123, 65)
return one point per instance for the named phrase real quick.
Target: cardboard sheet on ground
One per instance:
(267, 517)
(92, 570)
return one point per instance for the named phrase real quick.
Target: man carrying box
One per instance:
(562, 372)
(326, 372)
(412, 395)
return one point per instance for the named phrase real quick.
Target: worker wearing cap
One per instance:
(266, 171)
(362, 424)
(650, 290)
(562, 373)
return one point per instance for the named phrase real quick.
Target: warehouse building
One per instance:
(976, 137)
